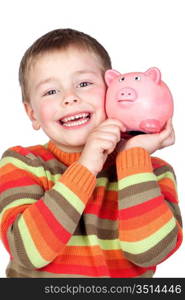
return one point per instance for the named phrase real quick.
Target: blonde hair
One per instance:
(57, 40)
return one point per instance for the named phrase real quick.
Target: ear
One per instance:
(154, 74)
(30, 112)
(110, 75)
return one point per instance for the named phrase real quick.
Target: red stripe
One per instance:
(169, 194)
(76, 269)
(45, 155)
(94, 271)
(101, 212)
(131, 272)
(61, 233)
(35, 150)
(23, 181)
(140, 209)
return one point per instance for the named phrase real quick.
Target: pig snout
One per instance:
(126, 94)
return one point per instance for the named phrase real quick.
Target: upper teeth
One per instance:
(83, 115)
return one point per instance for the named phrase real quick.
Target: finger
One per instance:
(104, 135)
(167, 131)
(110, 130)
(107, 146)
(169, 141)
(114, 122)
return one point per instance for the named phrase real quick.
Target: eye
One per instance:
(84, 84)
(137, 78)
(50, 92)
(122, 79)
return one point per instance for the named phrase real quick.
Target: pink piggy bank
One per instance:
(141, 101)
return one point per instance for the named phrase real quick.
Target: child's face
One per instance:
(67, 93)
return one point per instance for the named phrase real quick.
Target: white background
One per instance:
(138, 34)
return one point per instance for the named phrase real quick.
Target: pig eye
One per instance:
(137, 78)
(122, 79)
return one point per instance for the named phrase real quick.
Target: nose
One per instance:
(127, 93)
(70, 100)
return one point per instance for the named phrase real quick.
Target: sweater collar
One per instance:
(64, 157)
(69, 158)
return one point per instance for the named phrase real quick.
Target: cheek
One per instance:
(47, 111)
(98, 97)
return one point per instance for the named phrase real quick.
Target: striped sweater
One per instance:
(59, 220)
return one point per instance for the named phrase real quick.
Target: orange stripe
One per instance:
(9, 214)
(45, 241)
(167, 182)
(169, 189)
(44, 228)
(145, 231)
(10, 173)
(85, 261)
(131, 171)
(82, 250)
(14, 175)
(7, 168)
(44, 181)
(143, 220)
(86, 254)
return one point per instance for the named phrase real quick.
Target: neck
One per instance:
(69, 149)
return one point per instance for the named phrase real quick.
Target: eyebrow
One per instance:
(85, 71)
(44, 81)
(49, 79)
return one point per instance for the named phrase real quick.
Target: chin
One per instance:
(78, 143)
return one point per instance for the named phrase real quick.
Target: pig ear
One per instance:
(110, 75)
(154, 74)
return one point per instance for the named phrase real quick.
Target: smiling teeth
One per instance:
(84, 115)
(75, 123)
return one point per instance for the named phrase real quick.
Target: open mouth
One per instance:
(75, 120)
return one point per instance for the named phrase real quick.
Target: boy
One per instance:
(78, 207)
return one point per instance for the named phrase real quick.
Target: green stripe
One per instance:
(17, 203)
(92, 240)
(71, 197)
(167, 175)
(52, 177)
(135, 179)
(102, 182)
(38, 171)
(149, 242)
(131, 247)
(31, 250)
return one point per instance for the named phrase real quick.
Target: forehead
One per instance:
(66, 59)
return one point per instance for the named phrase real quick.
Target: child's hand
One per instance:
(100, 143)
(151, 142)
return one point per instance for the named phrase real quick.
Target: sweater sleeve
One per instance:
(150, 227)
(35, 223)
